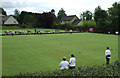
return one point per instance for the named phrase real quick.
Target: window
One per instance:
(14, 22)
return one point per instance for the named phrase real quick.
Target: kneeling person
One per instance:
(64, 64)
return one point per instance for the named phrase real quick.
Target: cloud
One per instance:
(72, 7)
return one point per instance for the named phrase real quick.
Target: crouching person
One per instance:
(64, 64)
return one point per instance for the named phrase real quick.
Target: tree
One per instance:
(86, 15)
(61, 14)
(29, 20)
(53, 11)
(114, 12)
(101, 18)
(22, 15)
(47, 19)
(88, 24)
(2, 11)
(16, 12)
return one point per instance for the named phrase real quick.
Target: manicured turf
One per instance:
(34, 53)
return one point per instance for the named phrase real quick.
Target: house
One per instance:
(8, 21)
(73, 19)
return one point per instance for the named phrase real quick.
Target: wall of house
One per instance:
(11, 20)
(80, 23)
(0, 21)
(71, 21)
(74, 18)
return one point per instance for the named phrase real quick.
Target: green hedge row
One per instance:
(104, 70)
(10, 27)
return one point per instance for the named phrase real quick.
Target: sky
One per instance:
(71, 7)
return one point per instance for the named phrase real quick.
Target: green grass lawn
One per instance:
(35, 53)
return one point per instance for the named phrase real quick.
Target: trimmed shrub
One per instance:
(104, 70)
(10, 27)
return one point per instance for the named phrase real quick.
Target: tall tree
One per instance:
(61, 14)
(2, 11)
(47, 19)
(113, 12)
(16, 12)
(29, 20)
(100, 17)
(53, 11)
(87, 15)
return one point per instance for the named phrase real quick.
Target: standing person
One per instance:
(12, 32)
(26, 31)
(35, 30)
(108, 55)
(64, 64)
(15, 32)
(40, 31)
(70, 31)
(72, 62)
(20, 32)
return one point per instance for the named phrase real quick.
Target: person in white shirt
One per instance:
(70, 31)
(12, 32)
(108, 55)
(40, 32)
(20, 32)
(64, 64)
(72, 62)
(23, 31)
(26, 31)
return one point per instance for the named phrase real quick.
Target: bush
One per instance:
(26, 26)
(88, 24)
(10, 27)
(65, 26)
(104, 70)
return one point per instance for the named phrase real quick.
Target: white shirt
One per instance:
(116, 32)
(72, 61)
(12, 31)
(26, 31)
(40, 31)
(70, 30)
(64, 64)
(107, 52)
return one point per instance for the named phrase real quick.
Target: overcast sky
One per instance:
(71, 7)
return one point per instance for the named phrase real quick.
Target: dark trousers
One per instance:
(12, 34)
(70, 32)
(107, 60)
(71, 67)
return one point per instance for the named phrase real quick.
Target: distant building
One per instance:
(73, 19)
(8, 21)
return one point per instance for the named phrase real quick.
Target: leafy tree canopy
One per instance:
(2, 11)
(61, 14)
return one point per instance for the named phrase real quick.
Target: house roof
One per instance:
(76, 22)
(67, 18)
(4, 18)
